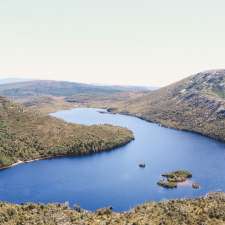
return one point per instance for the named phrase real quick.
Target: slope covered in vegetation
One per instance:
(196, 103)
(27, 135)
(49, 96)
(209, 210)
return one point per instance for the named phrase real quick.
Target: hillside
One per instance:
(27, 135)
(209, 210)
(196, 103)
(60, 88)
(49, 96)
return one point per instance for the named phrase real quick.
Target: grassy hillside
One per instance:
(27, 135)
(209, 210)
(195, 104)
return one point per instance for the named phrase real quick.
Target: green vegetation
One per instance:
(167, 184)
(173, 178)
(209, 210)
(177, 176)
(194, 104)
(27, 135)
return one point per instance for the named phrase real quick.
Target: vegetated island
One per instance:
(208, 210)
(173, 178)
(28, 135)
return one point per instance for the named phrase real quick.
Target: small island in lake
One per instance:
(173, 178)
(142, 165)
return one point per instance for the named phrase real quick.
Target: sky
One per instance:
(131, 42)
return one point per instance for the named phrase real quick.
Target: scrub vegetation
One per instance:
(27, 135)
(209, 210)
(196, 104)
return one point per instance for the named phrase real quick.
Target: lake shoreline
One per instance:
(163, 125)
(108, 110)
(19, 162)
(150, 162)
(189, 211)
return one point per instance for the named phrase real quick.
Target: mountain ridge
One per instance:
(196, 103)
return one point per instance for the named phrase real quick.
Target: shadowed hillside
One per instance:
(27, 135)
(195, 104)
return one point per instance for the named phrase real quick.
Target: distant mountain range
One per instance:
(48, 96)
(21, 88)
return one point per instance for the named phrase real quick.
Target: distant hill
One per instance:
(196, 103)
(49, 96)
(27, 135)
(60, 88)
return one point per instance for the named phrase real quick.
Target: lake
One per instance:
(114, 178)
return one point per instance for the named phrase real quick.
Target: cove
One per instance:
(114, 178)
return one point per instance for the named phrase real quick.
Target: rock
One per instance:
(104, 211)
(195, 186)
(142, 165)
(77, 208)
(221, 111)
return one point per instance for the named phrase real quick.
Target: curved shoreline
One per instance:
(166, 126)
(19, 162)
(80, 155)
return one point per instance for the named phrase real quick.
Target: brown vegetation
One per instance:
(196, 104)
(173, 178)
(209, 210)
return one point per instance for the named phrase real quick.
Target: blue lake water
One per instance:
(114, 178)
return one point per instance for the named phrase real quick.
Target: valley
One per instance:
(194, 104)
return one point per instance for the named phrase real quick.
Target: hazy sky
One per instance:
(144, 42)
